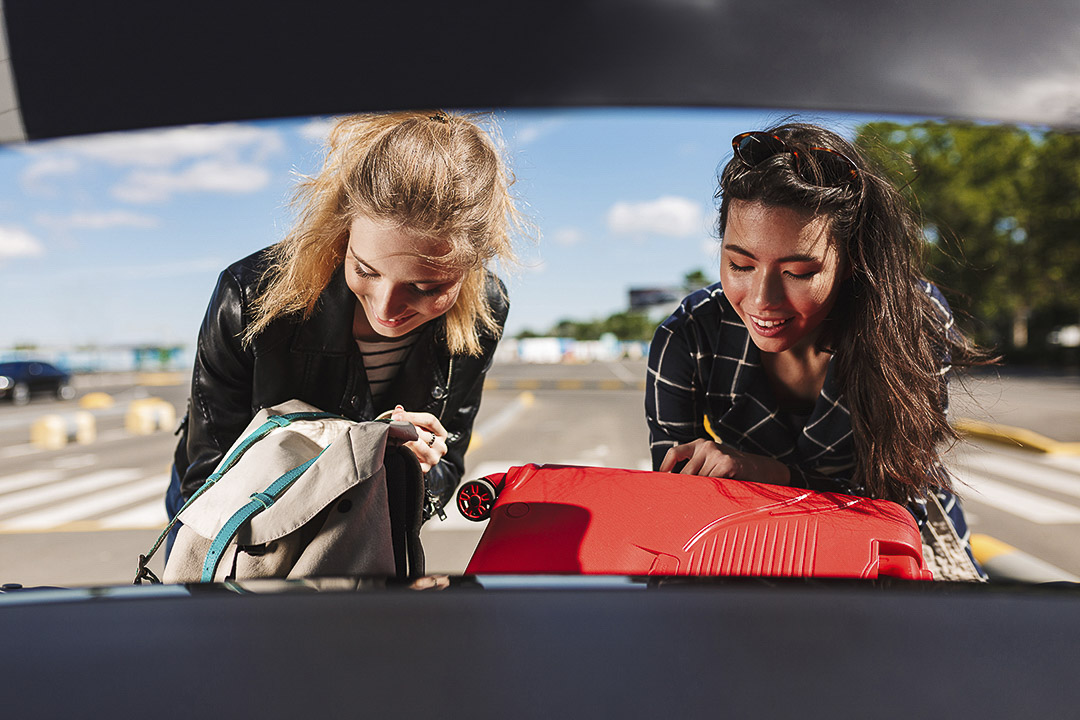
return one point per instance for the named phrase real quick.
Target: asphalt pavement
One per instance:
(82, 514)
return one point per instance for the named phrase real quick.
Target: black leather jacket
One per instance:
(318, 361)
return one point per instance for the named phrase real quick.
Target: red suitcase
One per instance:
(584, 520)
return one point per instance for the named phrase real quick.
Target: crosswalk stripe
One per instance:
(84, 507)
(31, 478)
(148, 515)
(63, 490)
(1029, 473)
(1065, 462)
(1032, 507)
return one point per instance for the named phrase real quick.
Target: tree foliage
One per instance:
(1001, 211)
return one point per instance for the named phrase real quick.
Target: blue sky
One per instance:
(117, 239)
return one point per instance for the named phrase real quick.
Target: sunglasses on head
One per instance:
(825, 168)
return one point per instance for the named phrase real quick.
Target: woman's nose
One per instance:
(388, 301)
(769, 291)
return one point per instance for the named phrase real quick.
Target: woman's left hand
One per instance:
(431, 445)
(711, 459)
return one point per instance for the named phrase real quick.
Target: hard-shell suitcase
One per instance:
(564, 519)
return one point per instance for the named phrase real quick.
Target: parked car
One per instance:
(20, 380)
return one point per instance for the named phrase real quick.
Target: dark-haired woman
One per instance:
(820, 358)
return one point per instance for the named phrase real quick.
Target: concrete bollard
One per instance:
(149, 415)
(52, 432)
(96, 401)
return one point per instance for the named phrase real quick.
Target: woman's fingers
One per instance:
(430, 446)
(422, 421)
(676, 455)
(703, 457)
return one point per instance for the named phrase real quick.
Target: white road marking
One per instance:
(64, 490)
(114, 435)
(622, 373)
(148, 515)
(504, 417)
(18, 450)
(31, 478)
(1032, 507)
(84, 507)
(1030, 472)
(1065, 462)
(73, 462)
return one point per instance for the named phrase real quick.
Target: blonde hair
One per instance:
(433, 174)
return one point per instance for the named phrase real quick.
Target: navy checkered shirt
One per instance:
(703, 363)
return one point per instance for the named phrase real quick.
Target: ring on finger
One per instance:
(431, 442)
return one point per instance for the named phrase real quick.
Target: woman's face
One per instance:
(397, 290)
(781, 271)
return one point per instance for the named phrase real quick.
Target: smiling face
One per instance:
(781, 271)
(397, 289)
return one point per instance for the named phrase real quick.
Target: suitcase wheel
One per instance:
(475, 499)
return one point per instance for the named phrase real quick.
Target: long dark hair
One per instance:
(891, 339)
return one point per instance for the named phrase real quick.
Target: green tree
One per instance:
(1000, 209)
(629, 326)
(695, 280)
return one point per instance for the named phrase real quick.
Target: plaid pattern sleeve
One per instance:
(674, 407)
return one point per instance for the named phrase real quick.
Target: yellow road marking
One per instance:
(1017, 437)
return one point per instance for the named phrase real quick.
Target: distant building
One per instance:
(656, 303)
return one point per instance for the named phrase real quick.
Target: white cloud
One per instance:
(534, 265)
(317, 130)
(669, 215)
(531, 132)
(99, 221)
(568, 236)
(16, 242)
(35, 175)
(145, 186)
(213, 158)
(164, 148)
(711, 248)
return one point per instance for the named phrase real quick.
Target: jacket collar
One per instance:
(329, 329)
(421, 383)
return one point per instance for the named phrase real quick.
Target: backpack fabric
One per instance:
(303, 493)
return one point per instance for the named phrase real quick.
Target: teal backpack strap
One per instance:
(272, 423)
(259, 501)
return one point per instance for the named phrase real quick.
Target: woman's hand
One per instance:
(431, 445)
(711, 459)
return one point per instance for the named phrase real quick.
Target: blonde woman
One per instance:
(379, 299)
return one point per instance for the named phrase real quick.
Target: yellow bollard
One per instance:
(96, 401)
(52, 432)
(149, 415)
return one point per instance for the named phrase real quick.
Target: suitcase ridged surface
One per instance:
(580, 520)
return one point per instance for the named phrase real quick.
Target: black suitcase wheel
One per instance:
(475, 499)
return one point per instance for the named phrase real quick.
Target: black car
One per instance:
(21, 379)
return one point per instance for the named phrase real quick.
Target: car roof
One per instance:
(78, 67)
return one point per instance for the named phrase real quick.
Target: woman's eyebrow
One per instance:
(357, 259)
(798, 257)
(429, 281)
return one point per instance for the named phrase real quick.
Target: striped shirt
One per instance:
(382, 359)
